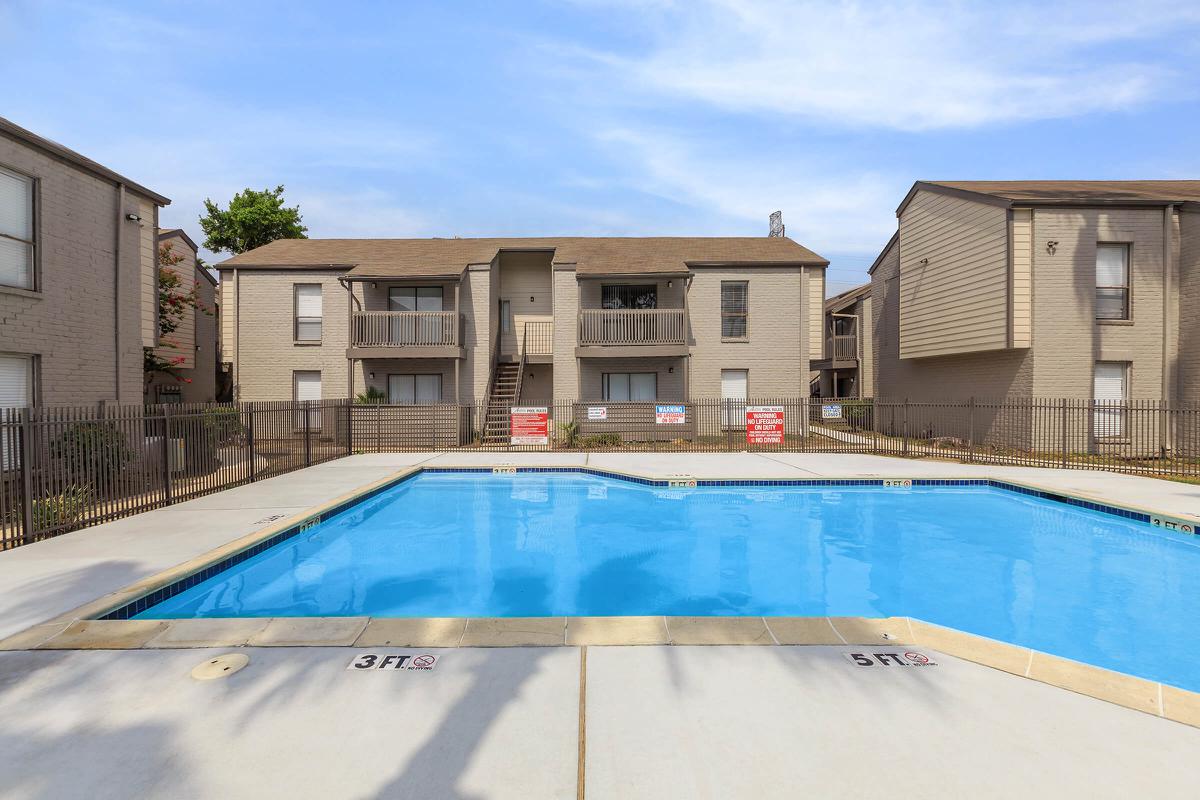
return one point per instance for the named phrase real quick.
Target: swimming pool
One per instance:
(1066, 580)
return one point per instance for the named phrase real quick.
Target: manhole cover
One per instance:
(220, 667)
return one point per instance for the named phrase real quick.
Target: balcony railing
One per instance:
(537, 338)
(404, 329)
(602, 326)
(842, 347)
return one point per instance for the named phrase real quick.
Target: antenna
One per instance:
(776, 225)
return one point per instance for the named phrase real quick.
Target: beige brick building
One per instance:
(77, 275)
(1075, 289)
(197, 340)
(467, 320)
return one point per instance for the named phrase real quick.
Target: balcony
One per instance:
(841, 352)
(842, 347)
(632, 332)
(537, 341)
(405, 334)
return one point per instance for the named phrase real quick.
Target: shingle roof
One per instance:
(387, 258)
(1081, 191)
(847, 298)
(83, 162)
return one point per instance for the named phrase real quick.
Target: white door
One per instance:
(15, 390)
(424, 330)
(733, 397)
(1110, 392)
(307, 386)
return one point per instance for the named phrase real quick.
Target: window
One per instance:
(1111, 392)
(16, 230)
(415, 298)
(1112, 281)
(308, 312)
(506, 320)
(619, 387)
(735, 306)
(306, 386)
(408, 390)
(622, 295)
(16, 381)
(16, 391)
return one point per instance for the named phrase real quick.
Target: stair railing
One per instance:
(521, 364)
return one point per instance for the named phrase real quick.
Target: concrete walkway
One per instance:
(657, 722)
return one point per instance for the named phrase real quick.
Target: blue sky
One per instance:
(605, 117)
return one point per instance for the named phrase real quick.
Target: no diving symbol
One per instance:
(917, 658)
(423, 661)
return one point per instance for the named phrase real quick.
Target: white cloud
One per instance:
(908, 66)
(834, 211)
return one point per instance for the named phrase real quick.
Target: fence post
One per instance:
(26, 455)
(166, 453)
(971, 430)
(1062, 434)
(307, 404)
(350, 427)
(250, 444)
(904, 429)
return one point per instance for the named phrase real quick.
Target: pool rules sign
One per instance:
(530, 425)
(764, 424)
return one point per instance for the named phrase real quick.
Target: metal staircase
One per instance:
(501, 399)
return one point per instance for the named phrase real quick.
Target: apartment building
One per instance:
(1077, 289)
(78, 275)
(1054, 289)
(523, 320)
(196, 342)
(846, 368)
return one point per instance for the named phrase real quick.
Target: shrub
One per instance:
(61, 510)
(570, 434)
(372, 396)
(224, 423)
(601, 440)
(93, 449)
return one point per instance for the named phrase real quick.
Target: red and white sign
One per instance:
(530, 425)
(764, 424)
(670, 415)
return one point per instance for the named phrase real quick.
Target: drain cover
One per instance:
(220, 667)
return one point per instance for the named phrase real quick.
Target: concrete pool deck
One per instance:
(49, 579)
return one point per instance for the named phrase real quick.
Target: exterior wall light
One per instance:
(1051, 246)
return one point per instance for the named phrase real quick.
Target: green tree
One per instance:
(252, 220)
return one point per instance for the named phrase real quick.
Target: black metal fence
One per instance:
(66, 468)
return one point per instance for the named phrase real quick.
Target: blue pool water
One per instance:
(1081, 584)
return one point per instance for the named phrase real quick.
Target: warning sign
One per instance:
(597, 412)
(398, 662)
(764, 424)
(670, 415)
(908, 658)
(530, 425)
(831, 411)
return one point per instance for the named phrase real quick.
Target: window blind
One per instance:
(1110, 392)
(1112, 281)
(14, 381)
(16, 225)
(308, 386)
(734, 309)
(308, 300)
(414, 389)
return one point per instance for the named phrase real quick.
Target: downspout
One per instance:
(237, 336)
(350, 303)
(117, 291)
(1166, 396)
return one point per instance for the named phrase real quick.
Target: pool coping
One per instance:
(92, 626)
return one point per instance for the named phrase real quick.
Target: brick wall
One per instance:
(87, 351)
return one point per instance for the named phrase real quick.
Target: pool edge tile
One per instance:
(1003, 656)
(206, 632)
(515, 632)
(872, 630)
(412, 632)
(617, 631)
(103, 634)
(1180, 705)
(1103, 684)
(719, 631)
(803, 631)
(310, 632)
